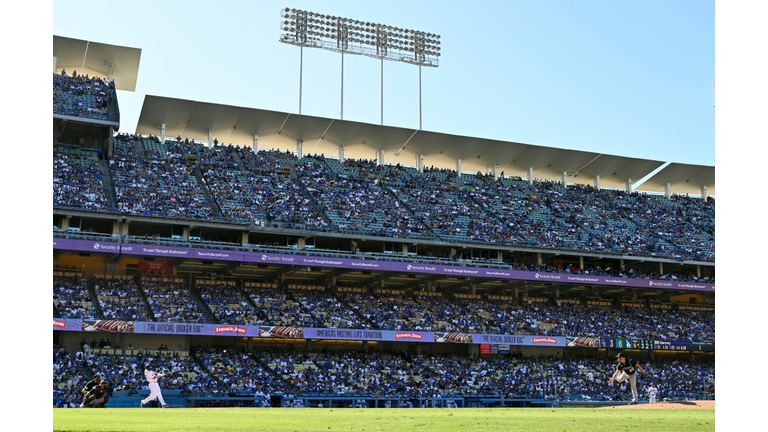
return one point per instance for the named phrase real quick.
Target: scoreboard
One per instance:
(644, 344)
(618, 343)
(651, 344)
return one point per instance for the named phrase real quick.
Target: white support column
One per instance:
(54, 64)
(629, 186)
(495, 171)
(668, 191)
(381, 157)
(210, 139)
(341, 153)
(458, 167)
(255, 143)
(704, 193)
(420, 163)
(300, 149)
(162, 133)
(530, 175)
(564, 179)
(597, 182)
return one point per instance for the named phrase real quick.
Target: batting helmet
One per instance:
(619, 355)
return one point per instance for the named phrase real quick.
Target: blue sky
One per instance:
(625, 78)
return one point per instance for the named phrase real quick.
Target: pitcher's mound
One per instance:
(708, 404)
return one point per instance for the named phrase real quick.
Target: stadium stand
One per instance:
(350, 198)
(78, 178)
(171, 300)
(82, 96)
(209, 374)
(126, 190)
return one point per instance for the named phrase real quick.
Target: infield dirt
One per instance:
(670, 405)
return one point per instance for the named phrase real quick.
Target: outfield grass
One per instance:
(394, 419)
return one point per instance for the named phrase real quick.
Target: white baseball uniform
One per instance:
(154, 388)
(652, 394)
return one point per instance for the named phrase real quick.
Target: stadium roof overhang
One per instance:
(98, 59)
(280, 130)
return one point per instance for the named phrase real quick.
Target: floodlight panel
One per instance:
(314, 30)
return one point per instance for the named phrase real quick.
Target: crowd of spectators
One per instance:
(327, 311)
(78, 182)
(120, 299)
(67, 379)
(274, 307)
(171, 301)
(266, 161)
(354, 200)
(406, 375)
(580, 217)
(264, 197)
(72, 298)
(150, 187)
(358, 196)
(237, 372)
(228, 304)
(82, 96)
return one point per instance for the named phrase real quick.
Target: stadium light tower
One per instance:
(348, 36)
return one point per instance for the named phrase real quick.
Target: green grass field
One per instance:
(394, 419)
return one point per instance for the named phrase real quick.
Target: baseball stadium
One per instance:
(254, 269)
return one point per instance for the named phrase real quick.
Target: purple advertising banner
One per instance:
(369, 335)
(67, 324)
(143, 327)
(504, 341)
(361, 264)
(494, 339)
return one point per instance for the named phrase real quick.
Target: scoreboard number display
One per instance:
(644, 344)
(618, 343)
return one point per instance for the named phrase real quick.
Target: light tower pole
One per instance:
(348, 36)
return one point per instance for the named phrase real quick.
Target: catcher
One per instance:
(99, 395)
(627, 369)
(90, 385)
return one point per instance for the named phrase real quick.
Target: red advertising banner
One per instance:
(485, 348)
(160, 268)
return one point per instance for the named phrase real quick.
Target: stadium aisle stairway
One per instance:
(109, 187)
(207, 193)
